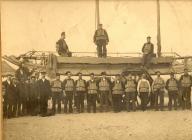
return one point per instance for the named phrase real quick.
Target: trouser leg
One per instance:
(66, 103)
(5, 108)
(114, 98)
(88, 103)
(59, 98)
(104, 50)
(99, 50)
(82, 97)
(54, 102)
(170, 94)
(133, 97)
(184, 104)
(94, 99)
(175, 99)
(102, 101)
(127, 101)
(161, 100)
(156, 100)
(188, 98)
(70, 103)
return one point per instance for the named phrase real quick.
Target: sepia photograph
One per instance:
(96, 69)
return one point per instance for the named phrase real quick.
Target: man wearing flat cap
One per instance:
(104, 89)
(57, 90)
(62, 47)
(185, 85)
(148, 50)
(172, 86)
(92, 92)
(101, 39)
(81, 89)
(69, 88)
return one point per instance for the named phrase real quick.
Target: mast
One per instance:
(97, 16)
(158, 30)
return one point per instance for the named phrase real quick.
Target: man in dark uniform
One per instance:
(185, 85)
(7, 88)
(22, 74)
(33, 96)
(92, 92)
(101, 40)
(81, 89)
(117, 93)
(62, 47)
(69, 86)
(130, 93)
(57, 93)
(45, 93)
(172, 86)
(104, 89)
(148, 50)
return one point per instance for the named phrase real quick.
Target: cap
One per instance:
(148, 37)
(103, 73)
(63, 33)
(92, 74)
(185, 68)
(57, 74)
(100, 24)
(79, 73)
(118, 75)
(67, 72)
(32, 76)
(172, 73)
(43, 72)
(157, 72)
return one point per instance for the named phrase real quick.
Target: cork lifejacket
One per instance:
(130, 86)
(147, 48)
(100, 34)
(57, 86)
(80, 86)
(69, 85)
(117, 88)
(186, 81)
(92, 87)
(144, 87)
(172, 85)
(158, 84)
(104, 85)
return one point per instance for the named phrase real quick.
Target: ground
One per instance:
(149, 125)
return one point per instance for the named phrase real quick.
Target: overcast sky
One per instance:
(37, 25)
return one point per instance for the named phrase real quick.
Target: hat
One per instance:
(32, 76)
(148, 37)
(92, 74)
(43, 72)
(185, 68)
(63, 33)
(157, 72)
(172, 73)
(118, 75)
(100, 24)
(67, 72)
(79, 73)
(57, 74)
(103, 73)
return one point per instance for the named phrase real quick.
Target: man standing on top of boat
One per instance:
(148, 51)
(101, 40)
(62, 47)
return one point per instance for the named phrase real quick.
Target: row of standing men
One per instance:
(30, 96)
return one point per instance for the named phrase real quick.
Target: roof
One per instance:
(7, 69)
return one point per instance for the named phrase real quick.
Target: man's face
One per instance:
(92, 77)
(80, 76)
(58, 77)
(143, 76)
(43, 75)
(9, 77)
(104, 76)
(69, 75)
(185, 71)
(100, 27)
(129, 77)
(158, 74)
(148, 40)
(33, 79)
(63, 36)
(117, 77)
(171, 76)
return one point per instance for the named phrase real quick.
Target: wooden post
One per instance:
(97, 13)
(158, 30)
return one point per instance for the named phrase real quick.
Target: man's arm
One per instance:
(94, 37)
(149, 86)
(138, 86)
(107, 37)
(143, 47)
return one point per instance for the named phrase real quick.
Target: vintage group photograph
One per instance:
(96, 70)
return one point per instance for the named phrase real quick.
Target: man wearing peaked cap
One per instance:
(80, 88)
(101, 39)
(148, 50)
(104, 88)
